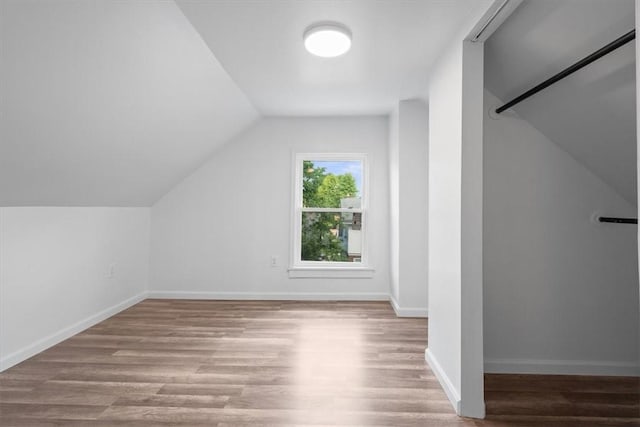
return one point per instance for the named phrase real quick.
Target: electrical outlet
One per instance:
(274, 260)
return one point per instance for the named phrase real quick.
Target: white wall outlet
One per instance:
(274, 260)
(111, 272)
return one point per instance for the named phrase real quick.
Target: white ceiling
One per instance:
(107, 103)
(395, 42)
(590, 114)
(111, 103)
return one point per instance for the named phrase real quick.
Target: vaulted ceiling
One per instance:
(112, 103)
(107, 103)
(590, 114)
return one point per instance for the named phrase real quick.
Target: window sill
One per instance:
(331, 272)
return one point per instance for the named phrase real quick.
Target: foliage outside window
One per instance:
(329, 210)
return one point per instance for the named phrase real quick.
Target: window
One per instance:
(330, 208)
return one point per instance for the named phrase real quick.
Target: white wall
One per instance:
(394, 205)
(472, 356)
(560, 290)
(445, 117)
(214, 234)
(455, 226)
(408, 160)
(638, 133)
(54, 268)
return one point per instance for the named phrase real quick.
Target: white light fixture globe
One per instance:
(327, 39)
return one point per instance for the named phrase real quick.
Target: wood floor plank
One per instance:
(555, 421)
(277, 363)
(560, 383)
(45, 410)
(105, 387)
(207, 389)
(173, 400)
(559, 399)
(60, 397)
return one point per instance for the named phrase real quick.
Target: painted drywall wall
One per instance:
(445, 118)
(560, 290)
(637, 133)
(472, 356)
(214, 235)
(394, 205)
(408, 171)
(455, 226)
(65, 269)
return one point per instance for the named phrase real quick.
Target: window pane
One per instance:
(331, 236)
(331, 184)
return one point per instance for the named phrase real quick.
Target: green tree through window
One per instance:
(321, 189)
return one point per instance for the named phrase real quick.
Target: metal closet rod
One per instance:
(620, 41)
(618, 220)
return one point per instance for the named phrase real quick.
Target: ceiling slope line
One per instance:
(215, 58)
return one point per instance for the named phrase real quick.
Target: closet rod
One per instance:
(621, 41)
(618, 220)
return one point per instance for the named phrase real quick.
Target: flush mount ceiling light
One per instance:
(327, 39)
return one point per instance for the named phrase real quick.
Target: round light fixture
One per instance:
(327, 39)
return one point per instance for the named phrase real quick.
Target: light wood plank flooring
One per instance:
(234, 363)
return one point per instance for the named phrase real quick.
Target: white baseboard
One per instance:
(560, 367)
(445, 382)
(272, 296)
(408, 311)
(53, 339)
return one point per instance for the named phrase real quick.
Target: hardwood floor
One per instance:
(234, 363)
(568, 399)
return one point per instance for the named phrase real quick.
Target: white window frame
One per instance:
(299, 268)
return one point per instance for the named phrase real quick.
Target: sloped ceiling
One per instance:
(395, 42)
(590, 114)
(107, 103)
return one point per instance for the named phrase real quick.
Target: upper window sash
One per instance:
(329, 157)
